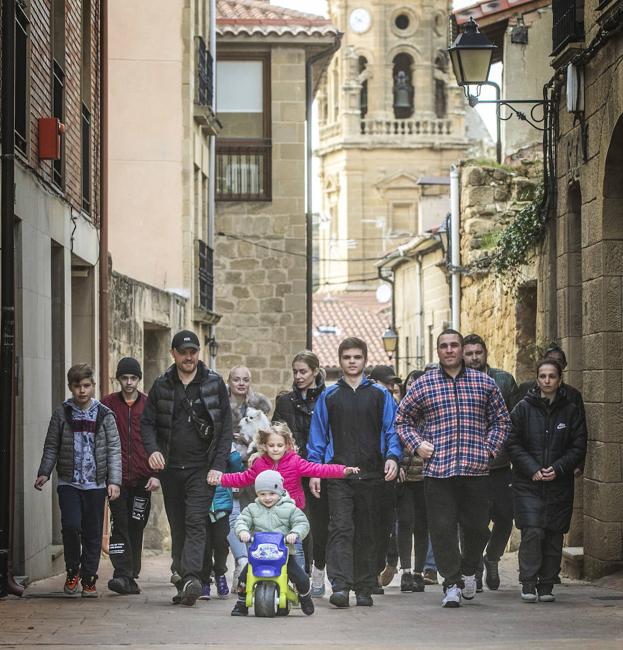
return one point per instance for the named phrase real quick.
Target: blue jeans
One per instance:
(299, 554)
(430, 565)
(238, 549)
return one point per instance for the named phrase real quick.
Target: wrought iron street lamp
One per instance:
(471, 55)
(390, 341)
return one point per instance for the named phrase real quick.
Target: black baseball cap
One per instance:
(385, 374)
(185, 339)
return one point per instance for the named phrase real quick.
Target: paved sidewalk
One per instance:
(584, 616)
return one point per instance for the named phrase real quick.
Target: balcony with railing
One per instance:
(243, 170)
(406, 127)
(204, 86)
(568, 23)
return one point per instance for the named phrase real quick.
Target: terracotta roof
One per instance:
(253, 17)
(335, 318)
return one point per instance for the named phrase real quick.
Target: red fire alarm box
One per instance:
(50, 131)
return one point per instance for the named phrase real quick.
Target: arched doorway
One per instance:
(402, 75)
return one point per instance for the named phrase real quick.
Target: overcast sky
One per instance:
(320, 7)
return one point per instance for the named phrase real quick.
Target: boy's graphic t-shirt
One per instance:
(83, 426)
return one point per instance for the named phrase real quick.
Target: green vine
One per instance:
(515, 244)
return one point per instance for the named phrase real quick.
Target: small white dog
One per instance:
(250, 425)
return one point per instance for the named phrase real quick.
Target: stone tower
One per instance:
(391, 122)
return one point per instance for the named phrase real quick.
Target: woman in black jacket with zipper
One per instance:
(296, 409)
(547, 443)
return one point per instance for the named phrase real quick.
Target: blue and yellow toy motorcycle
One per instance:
(268, 590)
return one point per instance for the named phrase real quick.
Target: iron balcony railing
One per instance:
(206, 276)
(243, 170)
(568, 23)
(204, 73)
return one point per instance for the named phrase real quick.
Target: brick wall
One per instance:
(40, 96)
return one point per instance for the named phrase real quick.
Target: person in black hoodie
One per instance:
(187, 431)
(296, 408)
(547, 443)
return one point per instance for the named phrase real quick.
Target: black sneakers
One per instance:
(190, 592)
(364, 600)
(339, 599)
(240, 609)
(528, 592)
(120, 585)
(492, 575)
(406, 582)
(418, 582)
(307, 604)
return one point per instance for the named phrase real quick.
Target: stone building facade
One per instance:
(57, 220)
(581, 300)
(389, 115)
(260, 263)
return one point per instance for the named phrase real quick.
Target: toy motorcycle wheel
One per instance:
(266, 599)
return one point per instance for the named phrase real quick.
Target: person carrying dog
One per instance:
(187, 432)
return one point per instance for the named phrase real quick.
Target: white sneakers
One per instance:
(453, 593)
(452, 597)
(469, 590)
(317, 586)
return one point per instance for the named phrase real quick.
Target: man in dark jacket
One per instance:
(500, 477)
(187, 432)
(353, 423)
(130, 512)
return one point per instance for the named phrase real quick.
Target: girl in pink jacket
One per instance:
(278, 452)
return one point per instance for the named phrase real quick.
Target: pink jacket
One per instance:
(291, 467)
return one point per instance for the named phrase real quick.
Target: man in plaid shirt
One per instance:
(455, 419)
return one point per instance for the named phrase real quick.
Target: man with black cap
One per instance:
(130, 511)
(387, 376)
(187, 432)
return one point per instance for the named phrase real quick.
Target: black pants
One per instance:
(386, 523)
(412, 526)
(216, 549)
(352, 544)
(450, 502)
(540, 552)
(130, 513)
(187, 500)
(82, 519)
(501, 511)
(318, 511)
(296, 575)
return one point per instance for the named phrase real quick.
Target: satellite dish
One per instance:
(383, 293)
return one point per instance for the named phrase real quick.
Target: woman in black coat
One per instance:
(296, 409)
(547, 443)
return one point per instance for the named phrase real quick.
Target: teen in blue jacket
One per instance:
(353, 424)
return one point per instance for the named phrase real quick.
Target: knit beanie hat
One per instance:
(269, 481)
(129, 366)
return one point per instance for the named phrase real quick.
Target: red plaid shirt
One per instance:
(465, 419)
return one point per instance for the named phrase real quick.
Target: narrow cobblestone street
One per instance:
(585, 616)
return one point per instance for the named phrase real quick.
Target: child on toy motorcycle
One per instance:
(274, 511)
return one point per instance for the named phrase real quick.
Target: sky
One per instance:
(487, 112)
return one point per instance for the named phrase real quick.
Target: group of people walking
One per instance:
(356, 475)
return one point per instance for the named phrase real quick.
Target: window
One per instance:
(86, 159)
(21, 80)
(363, 93)
(206, 275)
(567, 23)
(243, 155)
(203, 73)
(58, 83)
(402, 86)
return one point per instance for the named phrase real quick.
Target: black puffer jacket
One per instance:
(158, 415)
(297, 412)
(545, 434)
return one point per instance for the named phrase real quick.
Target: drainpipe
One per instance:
(7, 269)
(455, 260)
(309, 249)
(104, 295)
(421, 321)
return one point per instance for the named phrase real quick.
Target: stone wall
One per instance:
(260, 286)
(582, 298)
(142, 320)
(491, 196)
